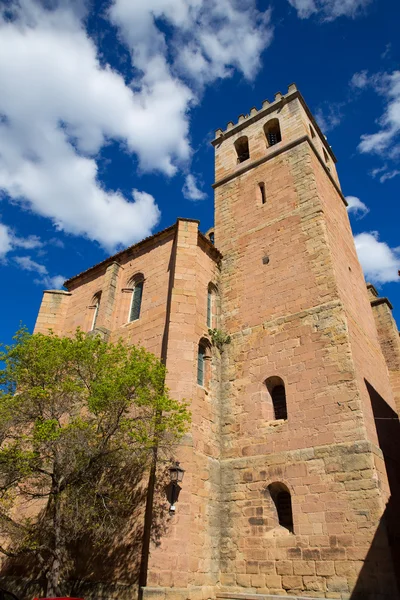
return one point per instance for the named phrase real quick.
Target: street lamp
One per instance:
(176, 475)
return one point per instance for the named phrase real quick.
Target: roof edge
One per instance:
(114, 258)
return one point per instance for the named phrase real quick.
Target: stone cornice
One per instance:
(377, 301)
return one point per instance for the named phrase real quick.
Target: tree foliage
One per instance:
(79, 418)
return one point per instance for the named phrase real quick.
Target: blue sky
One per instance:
(107, 110)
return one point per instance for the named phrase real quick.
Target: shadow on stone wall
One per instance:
(385, 548)
(376, 580)
(109, 570)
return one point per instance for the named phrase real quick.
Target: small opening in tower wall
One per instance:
(283, 503)
(312, 132)
(326, 157)
(272, 132)
(261, 193)
(242, 149)
(276, 388)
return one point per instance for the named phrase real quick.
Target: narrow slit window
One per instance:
(209, 307)
(312, 132)
(272, 132)
(326, 157)
(200, 364)
(263, 198)
(96, 305)
(136, 303)
(212, 237)
(242, 149)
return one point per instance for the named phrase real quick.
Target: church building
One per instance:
(291, 364)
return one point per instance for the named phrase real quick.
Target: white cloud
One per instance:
(191, 190)
(9, 241)
(389, 175)
(375, 172)
(59, 105)
(210, 38)
(29, 243)
(359, 80)
(356, 206)
(27, 264)
(329, 9)
(385, 173)
(329, 116)
(5, 240)
(379, 262)
(53, 90)
(385, 141)
(56, 242)
(52, 283)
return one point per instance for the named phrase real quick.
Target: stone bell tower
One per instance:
(305, 478)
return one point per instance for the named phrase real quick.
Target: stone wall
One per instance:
(295, 303)
(188, 556)
(177, 266)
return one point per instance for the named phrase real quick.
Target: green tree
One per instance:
(79, 417)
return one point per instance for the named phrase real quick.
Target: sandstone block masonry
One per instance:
(292, 461)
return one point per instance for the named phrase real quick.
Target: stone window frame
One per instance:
(242, 149)
(133, 281)
(280, 412)
(204, 345)
(261, 193)
(212, 308)
(95, 306)
(281, 497)
(267, 128)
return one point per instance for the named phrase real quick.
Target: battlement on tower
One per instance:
(266, 106)
(262, 134)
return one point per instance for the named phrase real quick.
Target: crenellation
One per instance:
(254, 111)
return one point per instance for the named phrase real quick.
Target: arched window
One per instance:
(312, 132)
(242, 149)
(136, 302)
(283, 503)
(272, 132)
(211, 237)
(95, 305)
(201, 353)
(326, 157)
(203, 360)
(211, 306)
(276, 388)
